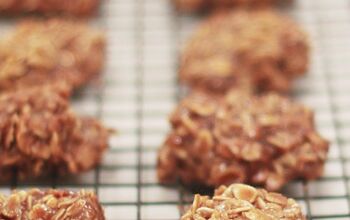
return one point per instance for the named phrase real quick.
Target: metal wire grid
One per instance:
(140, 88)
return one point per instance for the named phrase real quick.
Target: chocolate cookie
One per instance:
(261, 47)
(264, 140)
(50, 205)
(239, 201)
(76, 7)
(206, 5)
(40, 134)
(45, 52)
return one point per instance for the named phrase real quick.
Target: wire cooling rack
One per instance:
(139, 90)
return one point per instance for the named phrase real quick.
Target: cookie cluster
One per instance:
(42, 63)
(237, 124)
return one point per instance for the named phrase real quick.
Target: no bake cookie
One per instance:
(239, 201)
(50, 205)
(40, 134)
(205, 5)
(264, 140)
(262, 47)
(41, 52)
(71, 7)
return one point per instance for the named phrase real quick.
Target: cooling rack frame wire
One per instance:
(139, 90)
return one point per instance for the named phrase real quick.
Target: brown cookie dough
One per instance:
(205, 5)
(50, 205)
(71, 7)
(239, 201)
(264, 140)
(43, 52)
(40, 134)
(262, 47)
